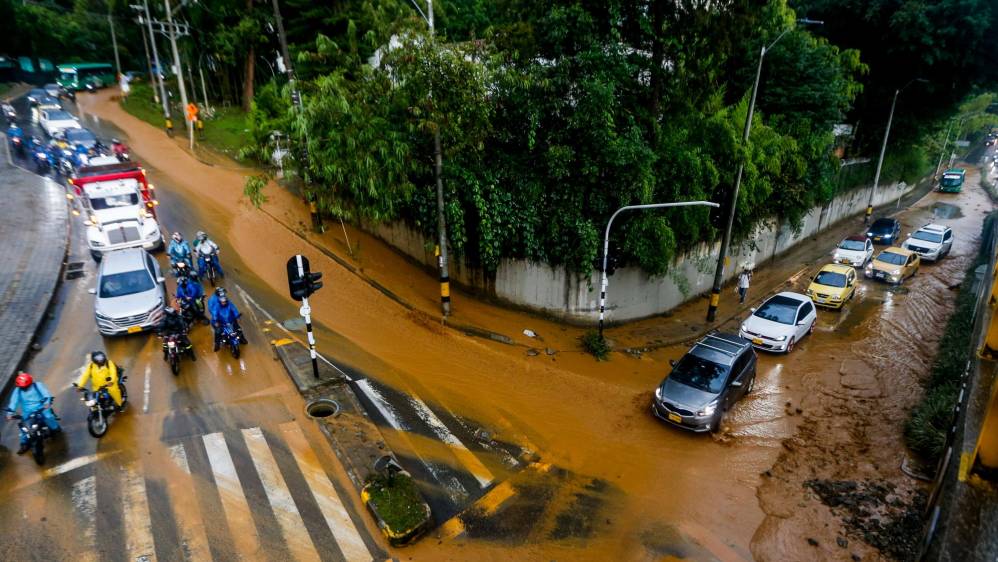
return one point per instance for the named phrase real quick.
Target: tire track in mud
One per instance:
(858, 386)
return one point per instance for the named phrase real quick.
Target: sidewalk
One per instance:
(34, 227)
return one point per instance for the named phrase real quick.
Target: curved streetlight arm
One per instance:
(606, 244)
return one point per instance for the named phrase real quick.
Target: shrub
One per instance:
(595, 344)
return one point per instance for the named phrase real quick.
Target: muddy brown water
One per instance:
(664, 493)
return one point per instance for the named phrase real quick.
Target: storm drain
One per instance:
(74, 270)
(322, 408)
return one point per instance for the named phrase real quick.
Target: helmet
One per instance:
(178, 236)
(99, 358)
(202, 235)
(115, 141)
(220, 291)
(223, 299)
(183, 280)
(24, 380)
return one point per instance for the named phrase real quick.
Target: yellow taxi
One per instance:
(833, 286)
(893, 265)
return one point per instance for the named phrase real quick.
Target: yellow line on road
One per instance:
(283, 341)
(965, 463)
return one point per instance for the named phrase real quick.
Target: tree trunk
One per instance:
(657, 55)
(248, 78)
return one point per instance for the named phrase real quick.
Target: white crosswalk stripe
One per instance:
(285, 502)
(237, 511)
(325, 495)
(295, 534)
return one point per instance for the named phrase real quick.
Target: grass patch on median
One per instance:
(397, 501)
(930, 420)
(225, 132)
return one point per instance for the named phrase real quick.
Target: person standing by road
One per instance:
(744, 280)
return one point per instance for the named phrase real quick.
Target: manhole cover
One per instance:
(294, 323)
(74, 270)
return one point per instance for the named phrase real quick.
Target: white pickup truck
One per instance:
(117, 218)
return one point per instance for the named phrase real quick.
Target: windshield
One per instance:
(58, 116)
(779, 309)
(830, 279)
(70, 76)
(952, 179)
(126, 283)
(112, 201)
(882, 225)
(79, 135)
(892, 258)
(700, 374)
(928, 236)
(854, 245)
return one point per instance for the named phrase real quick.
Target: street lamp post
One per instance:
(715, 294)
(159, 68)
(883, 148)
(606, 245)
(438, 177)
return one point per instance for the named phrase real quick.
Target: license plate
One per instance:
(134, 329)
(676, 418)
(880, 274)
(757, 341)
(171, 344)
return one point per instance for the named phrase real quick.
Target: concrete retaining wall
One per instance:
(555, 291)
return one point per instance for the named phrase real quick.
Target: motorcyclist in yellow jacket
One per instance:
(102, 372)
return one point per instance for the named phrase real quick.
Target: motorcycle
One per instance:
(44, 161)
(192, 310)
(9, 113)
(230, 338)
(17, 145)
(120, 152)
(172, 352)
(67, 163)
(37, 431)
(102, 406)
(208, 264)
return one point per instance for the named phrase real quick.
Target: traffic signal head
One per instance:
(299, 288)
(313, 282)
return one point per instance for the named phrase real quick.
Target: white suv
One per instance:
(931, 242)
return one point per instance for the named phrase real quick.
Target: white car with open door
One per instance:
(781, 322)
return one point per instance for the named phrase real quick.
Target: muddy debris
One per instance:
(533, 352)
(812, 541)
(874, 512)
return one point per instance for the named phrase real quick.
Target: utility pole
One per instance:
(715, 293)
(114, 42)
(943, 151)
(159, 71)
(152, 78)
(180, 69)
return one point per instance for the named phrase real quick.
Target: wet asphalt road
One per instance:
(185, 474)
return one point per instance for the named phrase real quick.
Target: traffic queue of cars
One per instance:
(720, 368)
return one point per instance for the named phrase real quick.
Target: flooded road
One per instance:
(601, 478)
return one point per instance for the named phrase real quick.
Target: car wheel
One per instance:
(751, 385)
(715, 426)
(811, 329)
(790, 346)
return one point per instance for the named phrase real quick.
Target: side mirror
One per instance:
(801, 323)
(161, 279)
(672, 362)
(736, 384)
(92, 290)
(753, 309)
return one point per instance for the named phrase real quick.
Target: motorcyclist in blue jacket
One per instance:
(179, 250)
(190, 293)
(225, 312)
(31, 396)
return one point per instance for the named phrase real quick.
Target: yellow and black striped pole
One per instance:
(444, 281)
(169, 126)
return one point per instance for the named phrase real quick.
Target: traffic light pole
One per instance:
(306, 312)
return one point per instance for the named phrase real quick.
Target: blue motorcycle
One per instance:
(230, 337)
(37, 431)
(16, 143)
(43, 158)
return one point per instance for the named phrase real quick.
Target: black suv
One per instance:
(714, 374)
(884, 231)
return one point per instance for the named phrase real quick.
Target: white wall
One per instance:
(633, 294)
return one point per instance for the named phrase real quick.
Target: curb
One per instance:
(397, 537)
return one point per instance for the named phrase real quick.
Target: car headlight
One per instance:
(896, 272)
(101, 316)
(743, 328)
(708, 410)
(869, 234)
(779, 338)
(658, 393)
(869, 268)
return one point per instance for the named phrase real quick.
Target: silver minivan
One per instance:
(130, 293)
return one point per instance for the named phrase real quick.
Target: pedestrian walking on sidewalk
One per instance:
(744, 279)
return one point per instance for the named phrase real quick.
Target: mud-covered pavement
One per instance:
(605, 480)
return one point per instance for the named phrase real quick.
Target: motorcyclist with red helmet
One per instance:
(31, 396)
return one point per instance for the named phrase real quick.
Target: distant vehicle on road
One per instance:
(782, 321)
(952, 180)
(931, 242)
(130, 293)
(35, 95)
(893, 265)
(707, 382)
(48, 102)
(54, 121)
(833, 286)
(53, 90)
(82, 137)
(854, 251)
(884, 230)
(79, 75)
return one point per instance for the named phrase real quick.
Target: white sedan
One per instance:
(783, 320)
(54, 121)
(853, 250)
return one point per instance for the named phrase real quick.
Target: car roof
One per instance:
(935, 228)
(856, 238)
(719, 347)
(884, 220)
(836, 268)
(119, 261)
(36, 91)
(897, 250)
(80, 131)
(781, 298)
